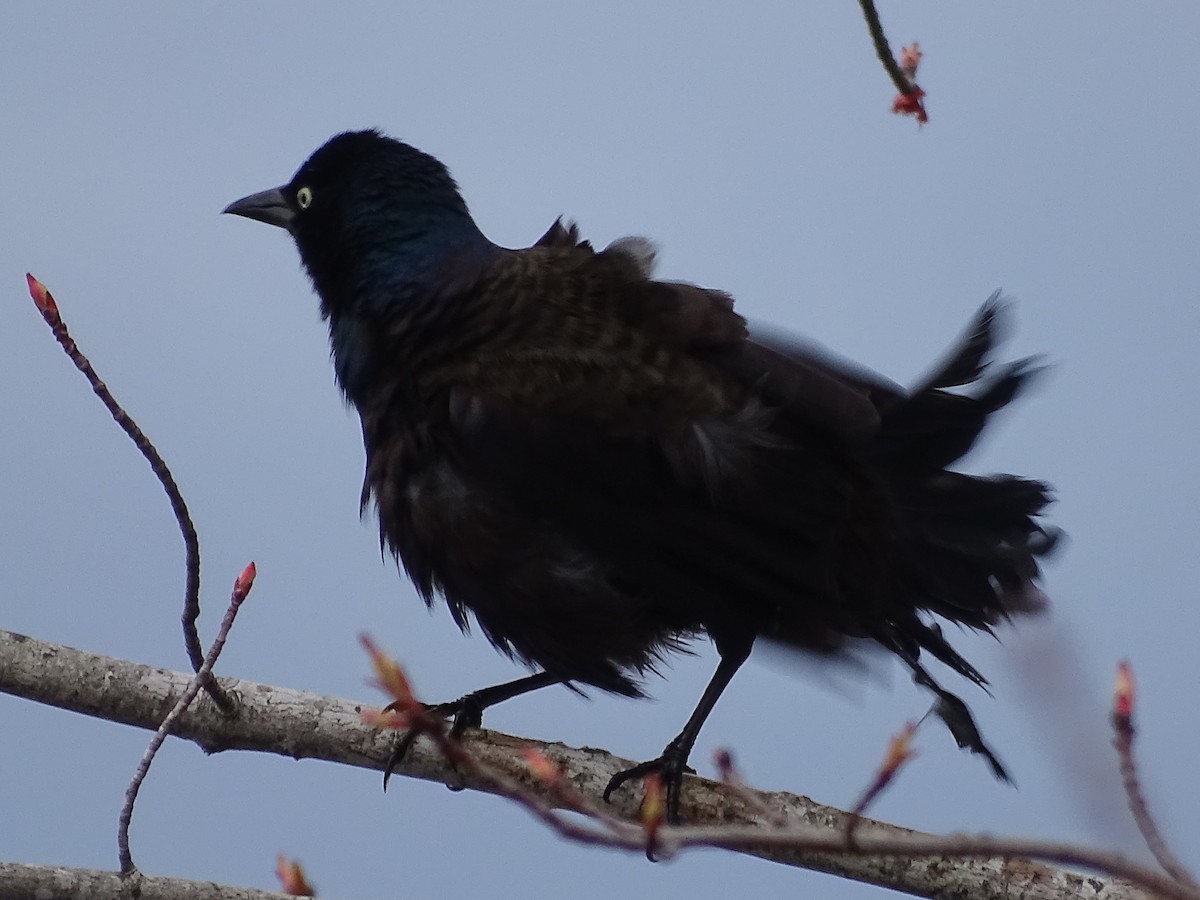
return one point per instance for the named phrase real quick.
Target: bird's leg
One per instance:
(672, 764)
(467, 711)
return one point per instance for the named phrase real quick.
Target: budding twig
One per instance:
(898, 753)
(729, 775)
(1122, 719)
(882, 50)
(46, 305)
(549, 772)
(241, 587)
(292, 878)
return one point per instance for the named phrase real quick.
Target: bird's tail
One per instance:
(967, 546)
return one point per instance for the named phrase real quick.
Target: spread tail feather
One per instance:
(968, 546)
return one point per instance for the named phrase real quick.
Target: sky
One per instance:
(754, 143)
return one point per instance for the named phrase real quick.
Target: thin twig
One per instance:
(1122, 720)
(898, 753)
(501, 784)
(730, 776)
(408, 714)
(551, 774)
(191, 542)
(659, 841)
(669, 840)
(241, 587)
(883, 51)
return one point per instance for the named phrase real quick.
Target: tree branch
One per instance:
(20, 882)
(300, 724)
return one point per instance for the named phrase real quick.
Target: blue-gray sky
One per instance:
(755, 144)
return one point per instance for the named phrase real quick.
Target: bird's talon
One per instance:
(466, 712)
(671, 767)
(399, 751)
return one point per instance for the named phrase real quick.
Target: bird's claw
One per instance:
(465, 712)
(671, 767)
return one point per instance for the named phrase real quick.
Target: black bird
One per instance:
(598, 466)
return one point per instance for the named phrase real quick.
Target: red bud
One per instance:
(391, 679)
(654, 805)
(1124, 692)
(542, 766)
(724, 762)
(899, 752)
(292, 878)
(911, 105)
(245, 581)
(910, 58)
(41, 297)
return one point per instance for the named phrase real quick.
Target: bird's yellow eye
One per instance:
(303, 197)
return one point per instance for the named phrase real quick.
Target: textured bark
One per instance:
(302, 725)
(22, 882)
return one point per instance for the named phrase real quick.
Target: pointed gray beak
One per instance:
(265, 206)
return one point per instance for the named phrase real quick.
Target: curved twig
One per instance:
(883, 51)
(191, 541)
(241, 587)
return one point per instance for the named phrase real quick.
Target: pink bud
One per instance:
(245, 581)
(1123, 694)
(41, 297)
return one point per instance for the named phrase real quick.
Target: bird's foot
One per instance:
(670, 767)
(465, 712)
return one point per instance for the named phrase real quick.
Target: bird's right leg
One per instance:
(672, 765)
(467, 711)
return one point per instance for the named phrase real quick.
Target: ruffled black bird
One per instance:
(598, 466)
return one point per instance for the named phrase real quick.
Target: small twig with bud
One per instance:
(654, 812)
(406, 713)
(292, 878)
(653, 836)
(912, 102)
(903, 72)
(47, 306)
(728, 773)
(1124, 695)
(898, 753)
(549, 773)
(241, 588)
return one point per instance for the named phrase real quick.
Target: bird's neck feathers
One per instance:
(388, 287)
(385, 254)
(415, 259)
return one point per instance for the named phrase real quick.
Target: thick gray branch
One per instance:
(305, 725)
(22, 882)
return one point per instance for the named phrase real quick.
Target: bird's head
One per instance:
(371, 216)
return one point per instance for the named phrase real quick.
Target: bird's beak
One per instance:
(265, 206)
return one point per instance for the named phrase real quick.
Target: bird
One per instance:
(598, 468)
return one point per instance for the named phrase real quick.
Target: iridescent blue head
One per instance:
(374, 219)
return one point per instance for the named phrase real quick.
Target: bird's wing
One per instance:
(792, 372)
(708, 470)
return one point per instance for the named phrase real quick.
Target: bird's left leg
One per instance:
(467, 711)
(672, 765)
